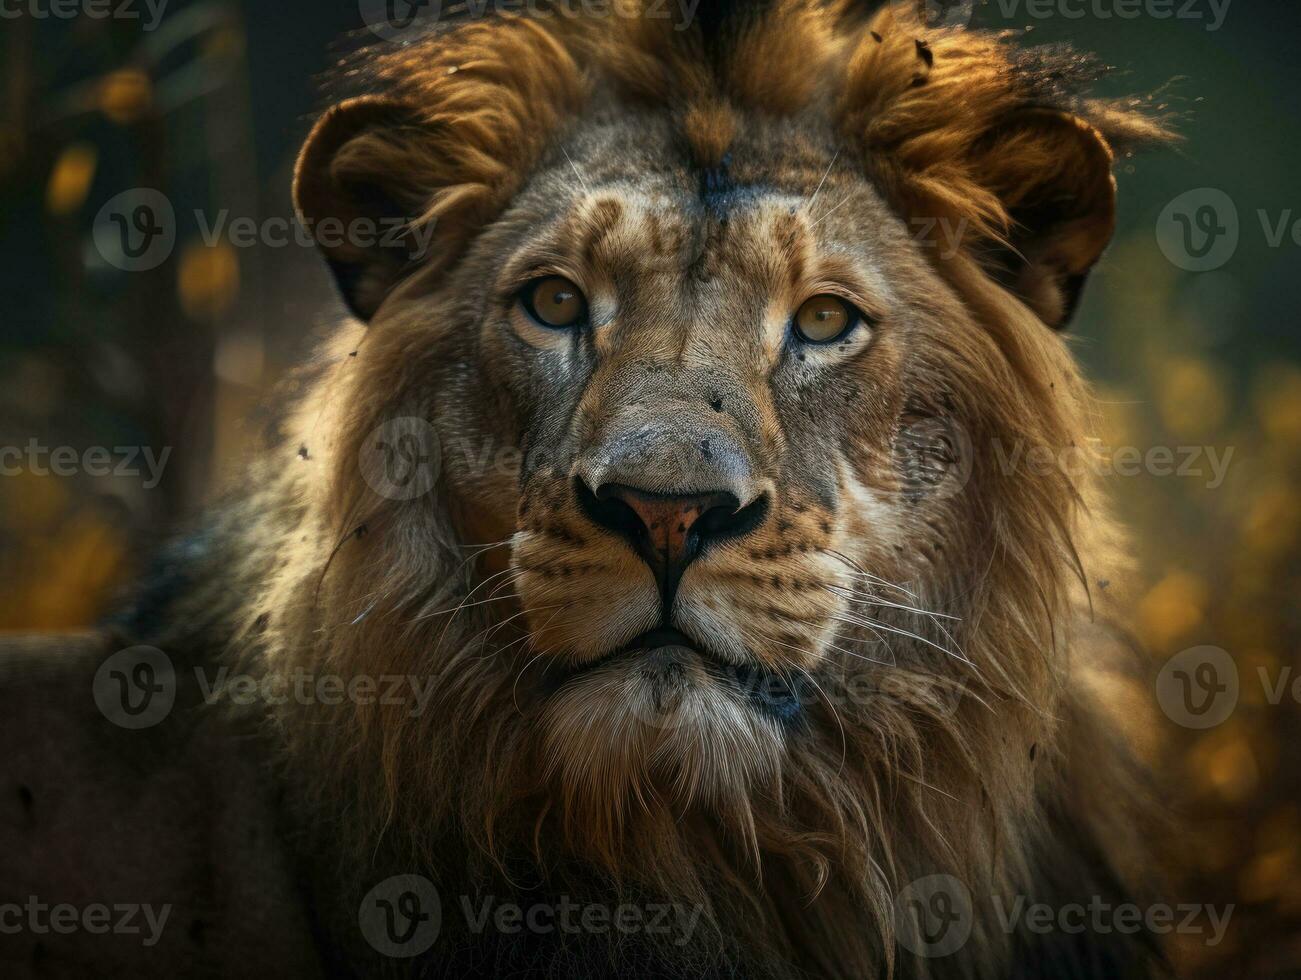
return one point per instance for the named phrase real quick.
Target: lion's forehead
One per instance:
(725, 257)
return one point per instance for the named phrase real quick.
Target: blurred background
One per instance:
(132, 385)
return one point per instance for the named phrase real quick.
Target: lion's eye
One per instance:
(825, 318)
(554, 302)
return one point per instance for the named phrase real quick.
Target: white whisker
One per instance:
(856, 621)
(586, 189)
(825, 175)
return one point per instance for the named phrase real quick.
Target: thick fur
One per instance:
(937, 605)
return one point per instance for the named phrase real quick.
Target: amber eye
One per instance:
(554, 302)
(824, 318)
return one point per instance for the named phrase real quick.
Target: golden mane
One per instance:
(486, 98)
(353, 583)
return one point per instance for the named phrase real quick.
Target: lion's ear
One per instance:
(363, 183)
(994, 146)
(1052, 173)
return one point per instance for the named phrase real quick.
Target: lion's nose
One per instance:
(665, 529)
(669, 530)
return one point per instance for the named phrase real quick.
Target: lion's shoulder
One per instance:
(150, 851)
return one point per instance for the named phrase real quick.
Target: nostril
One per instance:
(606, 510)
(668, 530)
(733, 520)
(672, 521)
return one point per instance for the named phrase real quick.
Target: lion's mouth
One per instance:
(765, 690)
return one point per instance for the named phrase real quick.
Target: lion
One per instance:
(677, 452)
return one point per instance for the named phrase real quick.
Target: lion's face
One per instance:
(732, 341)
(716, 384)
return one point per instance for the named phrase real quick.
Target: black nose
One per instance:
(669, 530)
